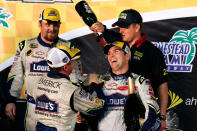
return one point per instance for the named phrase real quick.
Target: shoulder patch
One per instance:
(22, 45)
(141, 79)
(29, 52)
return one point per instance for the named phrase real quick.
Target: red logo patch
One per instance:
(122, 88)
(40, 53)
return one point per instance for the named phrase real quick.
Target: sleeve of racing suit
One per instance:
(110, 36)
(86, 103)
(15, 79)
(146, 94)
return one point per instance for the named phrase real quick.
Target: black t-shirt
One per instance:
(146, 59)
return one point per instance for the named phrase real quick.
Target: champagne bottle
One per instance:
(131, 89)
(84, 10)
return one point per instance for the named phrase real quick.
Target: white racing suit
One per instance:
(29, 64)
(56, 101)
(115, 90)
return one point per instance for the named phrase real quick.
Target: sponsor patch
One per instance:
(29, 52)
(122, 88)
(137, 55)
(116, 100)
(39, 53)
(141, 79)
(112, 84)
(33, 45)
(43, 103)
(96, 100)
(65, 60)
(39, 67)
(21, 45)
(17, 53)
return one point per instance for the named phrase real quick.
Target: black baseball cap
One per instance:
(128, 17)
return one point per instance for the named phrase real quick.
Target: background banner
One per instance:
(170, 25)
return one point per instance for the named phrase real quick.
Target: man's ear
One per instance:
(137, 27)
(39, 24)
(65, 68)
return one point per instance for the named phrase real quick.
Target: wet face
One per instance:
(49, 30)
(129, 33)
(116, 58)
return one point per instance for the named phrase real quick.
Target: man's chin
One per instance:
(52, 38)
(113, 65)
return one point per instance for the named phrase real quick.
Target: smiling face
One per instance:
(49, 30)
(118, 60)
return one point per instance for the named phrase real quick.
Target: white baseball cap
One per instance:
(61, 55)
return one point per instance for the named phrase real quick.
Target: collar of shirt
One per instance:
(45, 44)
(120, 76)
(57, 75)
(141, 40)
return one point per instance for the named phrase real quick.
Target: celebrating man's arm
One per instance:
(109, 36)
(163, 101)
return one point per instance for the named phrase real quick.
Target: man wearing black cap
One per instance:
(115, 92)
(146, 59)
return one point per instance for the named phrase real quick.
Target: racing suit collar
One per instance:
(121, 76)
(45, 44)
(141, 40)
(57, 75)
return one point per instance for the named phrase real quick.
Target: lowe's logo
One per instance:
(40, 67)
(180, 51)
(43, 103)
(116, 100)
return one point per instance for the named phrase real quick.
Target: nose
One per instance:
(52, 27)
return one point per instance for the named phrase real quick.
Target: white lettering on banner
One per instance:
(178, 56)
(191, 101)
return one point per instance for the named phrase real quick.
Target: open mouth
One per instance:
(113, 61)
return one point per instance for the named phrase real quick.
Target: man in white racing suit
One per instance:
(56, 99)
(115, 92)
(30, 60)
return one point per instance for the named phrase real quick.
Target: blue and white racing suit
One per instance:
(115, 90)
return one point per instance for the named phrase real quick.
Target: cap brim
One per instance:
(121, 24)
(52, 20)
(107, 47)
